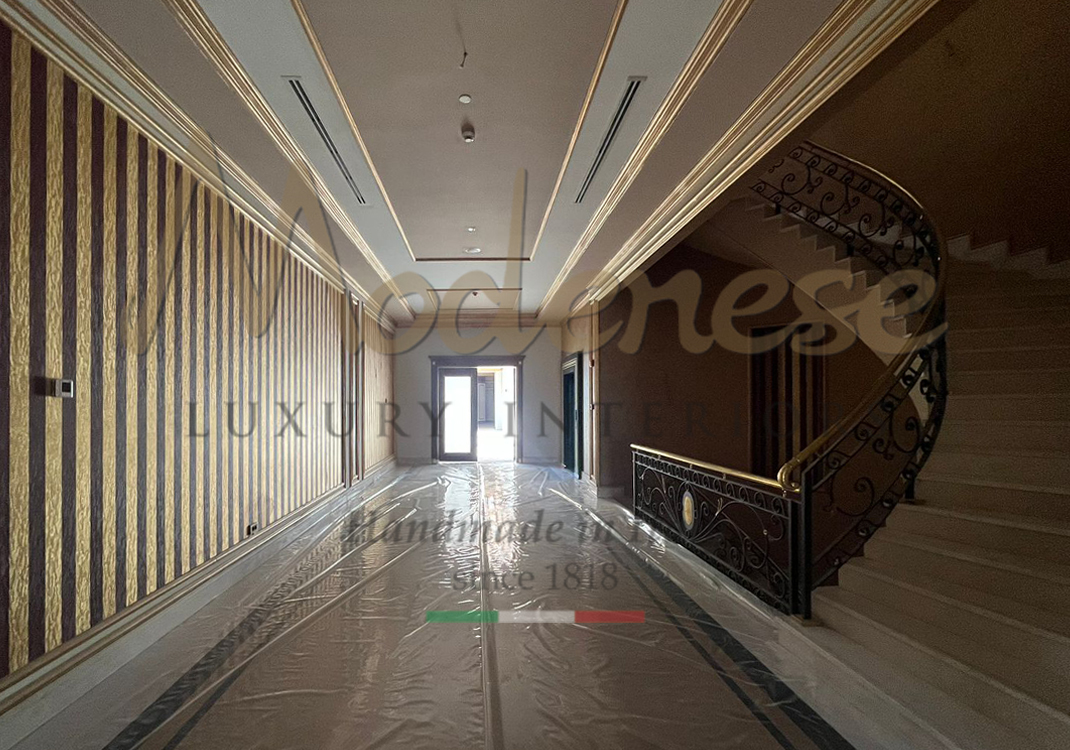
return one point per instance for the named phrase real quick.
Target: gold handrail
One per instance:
(894, 371)
(902, 360)
(772, 483)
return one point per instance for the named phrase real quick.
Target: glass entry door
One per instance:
(457, 389)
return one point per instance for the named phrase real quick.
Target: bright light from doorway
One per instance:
(495, 409)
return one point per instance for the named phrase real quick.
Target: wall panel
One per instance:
(700, 405)
(183, 324)
(378, 395)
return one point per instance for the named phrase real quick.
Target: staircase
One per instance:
(951, 607)
(797, 250)
(967, 590)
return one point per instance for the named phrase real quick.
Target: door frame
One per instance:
(574, 363)
(478, 360)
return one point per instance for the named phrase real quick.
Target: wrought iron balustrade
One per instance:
(782, 539)
(743, 525)
(868, 213)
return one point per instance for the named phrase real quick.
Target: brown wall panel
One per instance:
(120, 270)
(699, 405)
(973, 77)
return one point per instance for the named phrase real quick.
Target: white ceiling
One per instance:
(529, 67)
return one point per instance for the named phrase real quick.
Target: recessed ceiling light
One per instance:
(464, 99)
(473, 250)
(469, 229)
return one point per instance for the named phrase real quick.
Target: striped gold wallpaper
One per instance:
(121, 271)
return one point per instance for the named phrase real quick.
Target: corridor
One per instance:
(361, 639)
(542, 374)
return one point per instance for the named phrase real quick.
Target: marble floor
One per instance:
(479, 604)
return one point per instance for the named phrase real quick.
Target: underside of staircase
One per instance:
(778, 240)
(958, 608)
(955, 612)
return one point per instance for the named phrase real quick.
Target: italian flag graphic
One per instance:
(517, 616)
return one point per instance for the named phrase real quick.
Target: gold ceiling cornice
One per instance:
(598, 68)
(314, 41)
(466, 319)
(475, 259)
(220, 174)
(204, 34)
(740, 153)
(724, 22)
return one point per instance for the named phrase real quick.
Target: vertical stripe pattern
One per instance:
(183, 324)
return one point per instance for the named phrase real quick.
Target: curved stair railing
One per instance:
(781, 540)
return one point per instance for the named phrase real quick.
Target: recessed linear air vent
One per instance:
(611, 132)
(313, 115)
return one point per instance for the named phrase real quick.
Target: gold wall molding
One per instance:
(740, 149)
(204, 34)
(618, 14)
(328, 71)
(218, 174)
(728, 16)
(467, 319)
(614, 26)
(474, 259)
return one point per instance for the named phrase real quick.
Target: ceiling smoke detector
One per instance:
(469, 229)
(464, 99)
(473, 250)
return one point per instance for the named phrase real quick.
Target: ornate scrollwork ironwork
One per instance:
(859, 477)
(872, 217)
(740, 527)
(854, 475)
(782, 542)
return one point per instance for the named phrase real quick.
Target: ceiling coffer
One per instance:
(314, 116)
(611, 132)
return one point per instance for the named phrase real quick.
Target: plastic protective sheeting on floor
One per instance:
(395, 625)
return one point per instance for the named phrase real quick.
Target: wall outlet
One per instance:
(252, 529)
(62, 388)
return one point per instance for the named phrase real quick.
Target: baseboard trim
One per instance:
(612, 492)
(76, 666)
(587, 480)
(541, 461)
(415, 461)
(390, 462)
